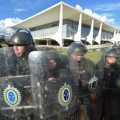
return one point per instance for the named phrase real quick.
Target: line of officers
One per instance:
(99, 100)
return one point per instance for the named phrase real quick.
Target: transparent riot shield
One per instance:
(15, 97)
(84, 66)
(55, 90)
(111, 86)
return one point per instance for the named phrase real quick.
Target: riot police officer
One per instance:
(22, 44)
(111, 91)
(56, 79)
(83, 70)
(52, 75)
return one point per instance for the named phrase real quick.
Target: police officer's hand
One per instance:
(51, 79)
(79, 73)
(46, 88)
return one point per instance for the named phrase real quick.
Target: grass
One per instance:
(4, 45)
(62, 51)
(91, 54)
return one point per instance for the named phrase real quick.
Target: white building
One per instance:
(63, 23)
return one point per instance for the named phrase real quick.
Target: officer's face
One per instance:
(111, 60)
(18, 49)
(77, 57)
(53, 64)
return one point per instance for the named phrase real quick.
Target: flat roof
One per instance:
(51, 14)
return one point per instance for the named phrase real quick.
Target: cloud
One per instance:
(108, 7)
(107, 14)
(19, 6)
(19, 10)
(108, 20)
(8, 22)
(79, 7)
(103, 17)
(88, 11)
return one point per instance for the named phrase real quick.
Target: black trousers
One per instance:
(111, 105)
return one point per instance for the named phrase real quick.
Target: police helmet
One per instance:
(111, 53)
(21, 37)
(77, 48)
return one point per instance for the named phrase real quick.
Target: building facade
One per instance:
(61, 24)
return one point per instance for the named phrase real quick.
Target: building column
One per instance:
(90, 36)
(61, 26)
(98, 38)
(58, 36)
(77, 36)
(114, 37)
(117, 35)
(48, 42)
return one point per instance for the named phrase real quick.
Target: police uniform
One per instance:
(56, 110)
(87, 103)
(98, 109)
(111, 91)
(83, 70)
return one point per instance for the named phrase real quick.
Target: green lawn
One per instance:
(92, 55)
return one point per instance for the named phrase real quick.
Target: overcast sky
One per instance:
(14, 11)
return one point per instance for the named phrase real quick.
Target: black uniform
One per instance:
(111, 86)
(86, 68)
(112, 91)
(83, 71)
(60, 76)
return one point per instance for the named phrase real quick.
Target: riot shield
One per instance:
(15, 97)
(55, 91)
(111, 86)
(82, 65)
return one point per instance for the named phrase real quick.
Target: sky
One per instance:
(15, 11)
